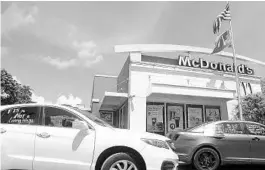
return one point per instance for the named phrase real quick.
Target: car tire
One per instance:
(119, 161)
(206, 158)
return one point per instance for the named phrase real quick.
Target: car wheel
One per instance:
(206, 159)
(120, 161)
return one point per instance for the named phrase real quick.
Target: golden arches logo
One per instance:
(246, 88)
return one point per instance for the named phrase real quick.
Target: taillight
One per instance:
(175, 137)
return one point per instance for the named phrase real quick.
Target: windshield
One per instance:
(93, 118)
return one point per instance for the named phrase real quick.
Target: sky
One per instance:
(57, 47)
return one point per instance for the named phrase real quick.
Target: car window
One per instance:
(231, 128)
(256, 129)
(20, 115)
(56, 117)
(219, 128)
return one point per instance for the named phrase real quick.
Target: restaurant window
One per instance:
(107, 116)
(155, 118)
(194, 115)
(212, 113)
(175, 117)
(255, 129)
(121, 118)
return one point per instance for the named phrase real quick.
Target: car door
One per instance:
(233, 144)
(257, 133)
(60, 144)
(18, 128)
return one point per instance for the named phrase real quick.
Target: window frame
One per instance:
(38, 119)
(248, 131)
(66, 110)
(121, 118)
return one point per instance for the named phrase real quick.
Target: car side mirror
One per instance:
(82, 125)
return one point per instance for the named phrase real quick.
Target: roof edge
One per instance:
(173, 48)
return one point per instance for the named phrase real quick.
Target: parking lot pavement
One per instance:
(228, 167)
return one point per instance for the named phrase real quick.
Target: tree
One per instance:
(13, 92)
(253, 107)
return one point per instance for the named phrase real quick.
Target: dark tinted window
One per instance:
(230, 128)
(56, 117)
(20, 115)
(256, 129)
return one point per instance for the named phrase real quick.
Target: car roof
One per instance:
(31, 104)
(235, 121)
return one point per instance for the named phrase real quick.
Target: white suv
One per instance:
(55, 137)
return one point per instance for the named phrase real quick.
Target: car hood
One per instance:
(140, 134)
(129, 134)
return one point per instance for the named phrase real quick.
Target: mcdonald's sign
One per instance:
(246, 88)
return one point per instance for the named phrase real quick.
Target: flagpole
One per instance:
(236, 73)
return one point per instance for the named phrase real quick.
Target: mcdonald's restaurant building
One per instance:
(162, 88)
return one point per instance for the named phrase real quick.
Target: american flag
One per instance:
(224, 40)
(225, 15)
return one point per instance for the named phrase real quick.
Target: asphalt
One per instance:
(228, 167)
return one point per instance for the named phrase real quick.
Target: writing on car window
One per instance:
(22, 115)
(56, 117)
(256, 129)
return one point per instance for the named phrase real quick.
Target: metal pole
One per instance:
(236, 74)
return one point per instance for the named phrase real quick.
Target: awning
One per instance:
(193, 91)
(112, 101)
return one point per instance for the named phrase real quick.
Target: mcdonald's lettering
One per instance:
(203, 64)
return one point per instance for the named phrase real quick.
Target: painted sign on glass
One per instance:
(174, 118)
(212, 114)
(194, 116)
(155, 121)
(107, 117)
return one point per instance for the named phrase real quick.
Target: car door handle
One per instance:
(43, 135)
(218, 136)
(256, 139)
(2, 130)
